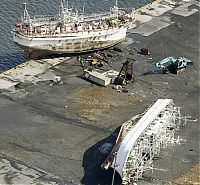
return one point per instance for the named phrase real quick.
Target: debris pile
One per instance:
(173, 65)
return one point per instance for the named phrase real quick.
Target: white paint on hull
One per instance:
(82, 41)
(131, 138)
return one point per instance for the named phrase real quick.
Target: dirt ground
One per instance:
(190, 178)
(59, 127)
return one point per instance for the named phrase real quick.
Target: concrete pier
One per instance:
(150, 19)
(28, 72)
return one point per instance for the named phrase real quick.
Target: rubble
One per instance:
(103, 79)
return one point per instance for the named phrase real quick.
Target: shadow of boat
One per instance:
(93, 159)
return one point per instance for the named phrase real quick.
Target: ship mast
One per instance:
(116, 8)
(26, 17)
(116, 3)
(63, 10)
(83, 11)
(62, 6)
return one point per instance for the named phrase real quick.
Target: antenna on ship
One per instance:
(61, 6)
(83, 11)
(116, 8)
(26, 17)
(76, 11)
(67, 5)
(116, 3)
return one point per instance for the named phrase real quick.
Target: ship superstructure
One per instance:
(69, 31)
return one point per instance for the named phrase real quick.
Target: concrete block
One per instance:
(97, 77)
(5, 84)
(101, 78)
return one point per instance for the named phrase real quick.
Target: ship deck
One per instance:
(68, 34)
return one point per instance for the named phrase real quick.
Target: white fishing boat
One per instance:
(69, 31)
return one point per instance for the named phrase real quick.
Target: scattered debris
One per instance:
(97, 77)
(103, 79)
(144, 51)
(81, 61)
(177, 141)
(57, 78)
(118, 87)
(96, 59)
(125, 74)
(117, 49)
(125, 90)
(173, 65)
(185, 160)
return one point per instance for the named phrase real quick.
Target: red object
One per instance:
(18, 25)
(144, 51)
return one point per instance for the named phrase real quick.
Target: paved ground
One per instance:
(14, 172)
(59, 127)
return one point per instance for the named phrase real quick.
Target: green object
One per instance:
(172, 62)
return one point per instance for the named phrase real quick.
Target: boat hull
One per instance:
(74, 43)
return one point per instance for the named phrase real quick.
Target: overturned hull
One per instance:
(141, 139)
(73, 43)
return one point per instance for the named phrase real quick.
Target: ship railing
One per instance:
(95, 16)
(98, 16)
(67, 34)
(44, 17)
(40, 19)
(36, 24)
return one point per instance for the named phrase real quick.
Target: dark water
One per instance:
(11, 11)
